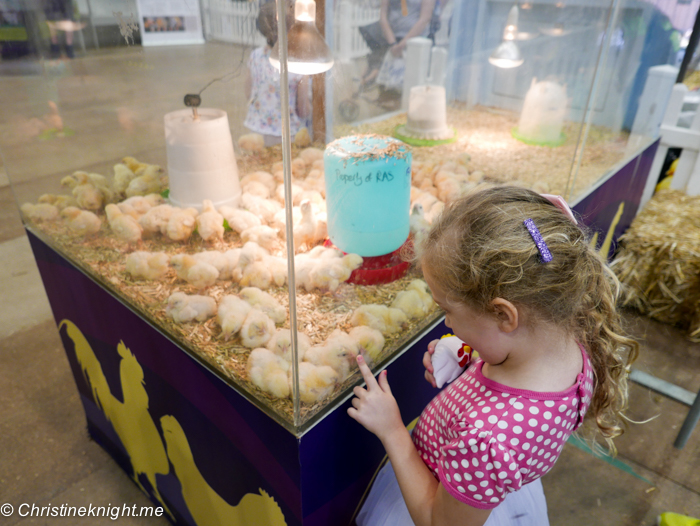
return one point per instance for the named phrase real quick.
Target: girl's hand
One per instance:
(375, 407)
(428, 363)
(397, 49)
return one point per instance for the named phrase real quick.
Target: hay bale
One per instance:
(659, 261)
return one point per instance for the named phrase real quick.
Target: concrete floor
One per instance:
(46, 455)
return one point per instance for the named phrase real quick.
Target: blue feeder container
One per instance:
(368, 193)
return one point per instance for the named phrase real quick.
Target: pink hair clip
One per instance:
(562, 205)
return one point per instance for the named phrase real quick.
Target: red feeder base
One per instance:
(379, 270)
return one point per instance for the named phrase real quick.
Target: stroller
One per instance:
(371, 91)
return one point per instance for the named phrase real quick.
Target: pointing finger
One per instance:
(366, 373)
(384, 382)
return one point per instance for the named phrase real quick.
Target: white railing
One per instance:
(234, 21)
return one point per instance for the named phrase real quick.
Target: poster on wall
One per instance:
(170, 22)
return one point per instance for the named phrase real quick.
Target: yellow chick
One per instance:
(418, 224)
(297, 189)
(281, 344)
(315, 382)
(183, 308)
(199, 274)
(39, 212)
(149, 182)
(155, 220)
(278, 269)
(265, 178)
(218, 260)
(302, 137)
(263, 235)
(251, 252)
(339, 351)
(123, 175)
(233, 255)
(311, 155)
(265, 209)
(329, 273)
(423, 290)
(386, 320)
(147, 265)
(269, 372)
(256, 188)
(239, 219)
(410, 302)
(181, 223)
(434, 213)
(232, 313)
(143, 203)
(256, 274)
(81, 222)
(133, 164)
(59, 201)
(305, 230)
(298, 167)
(265, 302)
(210, 223)
(257, 329)
(125, 227)
(252, 142)
(371, 342)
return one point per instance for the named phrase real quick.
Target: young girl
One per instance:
(263, 87)
(520, 284)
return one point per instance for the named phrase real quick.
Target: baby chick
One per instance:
(371, 342)
(252, 142)
(281, 344)
(134, 165)
(302, 137)
(143, 203)
(421, 287)
(265, 178)
(263, 235)
(199, 274)
(183, 308)
(218, 260)
(339, 351)
(257, 329)
(329, 273)
(181, 223)
(155, 220)
(265, 209)
(315, 382)
(256, 188)
(418, 225)
(385, 319)
(210, 223)
(147, 265)
(256, 274)
(39, 212)
(149, 181)
(232, 313)
(305, 229)
(251, 252)
(59, 201)
(239, 219)
(81, 222)
(279, 194)
(125, 227)
(278, 269)
(122, 177)
(265, 302)
(410, 302)
(269, 372)
(86, 194)
(310, 155)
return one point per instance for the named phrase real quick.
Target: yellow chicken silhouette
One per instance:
(205, 505)
(130, 419)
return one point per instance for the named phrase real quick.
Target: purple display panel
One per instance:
(189, 439)
(610, 208)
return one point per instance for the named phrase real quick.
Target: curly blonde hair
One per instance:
(479, 249)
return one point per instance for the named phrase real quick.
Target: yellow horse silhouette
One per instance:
(206, 506)
(130, 419)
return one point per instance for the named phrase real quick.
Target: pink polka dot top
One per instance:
(483, 440)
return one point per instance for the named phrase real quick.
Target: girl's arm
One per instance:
(427, 500)
(248, 84)
(303, 100)
(384, 23)
(426, 14)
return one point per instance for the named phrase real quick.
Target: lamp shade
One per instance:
(307, 51)
(506, 55)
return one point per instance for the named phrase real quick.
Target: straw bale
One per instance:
(659, 261)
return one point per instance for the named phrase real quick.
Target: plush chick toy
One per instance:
(451, 356)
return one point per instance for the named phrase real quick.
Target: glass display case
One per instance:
(172, 174)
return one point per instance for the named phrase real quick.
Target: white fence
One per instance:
(234, 21)
(681, 112)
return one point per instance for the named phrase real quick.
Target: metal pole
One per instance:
(690, 50)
